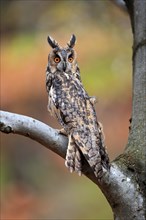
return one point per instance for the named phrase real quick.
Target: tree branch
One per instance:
(34, 129)
(40, 132)
(114, 184)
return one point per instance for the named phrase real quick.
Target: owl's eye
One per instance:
(70, 59)
(57, 59)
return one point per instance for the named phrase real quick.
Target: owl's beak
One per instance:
(64, 66)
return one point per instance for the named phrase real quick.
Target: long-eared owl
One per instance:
(74, 109)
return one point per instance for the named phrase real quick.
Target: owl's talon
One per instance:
(62, 131)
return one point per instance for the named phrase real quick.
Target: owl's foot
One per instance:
(62, 131)
(73, 158)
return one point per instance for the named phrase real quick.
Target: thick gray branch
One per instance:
(40, 132)
(117, 186)
(34, 129)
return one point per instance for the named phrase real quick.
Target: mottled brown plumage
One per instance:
(74, 109)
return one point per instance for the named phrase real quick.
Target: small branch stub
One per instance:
(5, 129)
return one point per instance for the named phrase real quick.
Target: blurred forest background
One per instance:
(34, 181)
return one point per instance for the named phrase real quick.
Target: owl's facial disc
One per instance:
(63, 59)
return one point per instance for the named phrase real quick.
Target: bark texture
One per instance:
(125, 185)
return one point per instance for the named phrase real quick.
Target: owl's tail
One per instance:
(95, 154)
(73, 157)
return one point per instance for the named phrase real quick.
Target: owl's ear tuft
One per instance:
(52, 42)
(72, 41)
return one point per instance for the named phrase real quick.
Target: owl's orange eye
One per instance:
(70, 59)
(57, 59)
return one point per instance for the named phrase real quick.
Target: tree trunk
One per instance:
(131, 204)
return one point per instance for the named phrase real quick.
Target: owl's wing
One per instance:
(85, 133)
(96, 155)
(87, 137)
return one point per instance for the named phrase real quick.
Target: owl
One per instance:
(74, 109)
